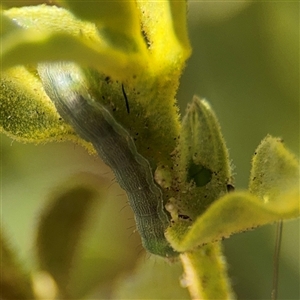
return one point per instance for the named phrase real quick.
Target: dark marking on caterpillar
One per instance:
(67, 89)
(126, 99)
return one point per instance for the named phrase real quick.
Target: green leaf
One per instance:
(52, 33)
(8, 27)
(274, 187)
(14, 281)
(26, 114)
(203, 163)
(274, 196)
(205, 273)
(275, 171)
(154, 278)
(164, 27)
(179, 12)
(118, 21)
(150, 79)
(61, 227)
(233, 213)
(116, 47)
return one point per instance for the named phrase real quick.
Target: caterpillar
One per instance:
(67, 88)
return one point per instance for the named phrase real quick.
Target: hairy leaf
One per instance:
(203, 171)
(205, 273)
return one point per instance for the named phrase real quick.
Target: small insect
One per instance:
(67, 89)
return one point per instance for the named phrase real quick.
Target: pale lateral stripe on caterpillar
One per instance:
(67, 88)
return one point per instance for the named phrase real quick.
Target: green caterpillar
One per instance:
(67, 89)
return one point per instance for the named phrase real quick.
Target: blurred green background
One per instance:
(245, 61)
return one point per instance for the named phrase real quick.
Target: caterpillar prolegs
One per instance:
(67, 88)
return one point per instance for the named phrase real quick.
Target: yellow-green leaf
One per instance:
(273, 196)
(179, 13)
(203, 163)
(275, 171)
(205, 273)
(52, 33)
(26, 114)
(118, 21)
(164, 27)
(150, 80)
(233, 213)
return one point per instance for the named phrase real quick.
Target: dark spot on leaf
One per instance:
(184, 217)
(230, 188)
(146, 39)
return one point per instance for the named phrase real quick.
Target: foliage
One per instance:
(144, 49)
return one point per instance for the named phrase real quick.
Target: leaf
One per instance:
(206, 273)
(274, 188)
(164, 28)
(274, 196)
(118, 21)
(275, 171)
(8, 27)
(203, 162)
(179, 12)
(149, 80)
(26, 114)
(14, 281)
(233, 213)
(52, 33)
(154, 278)
(61, 227)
